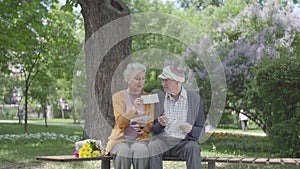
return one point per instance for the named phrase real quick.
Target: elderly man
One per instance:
(179, 122)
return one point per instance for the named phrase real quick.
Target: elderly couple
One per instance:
(175, 121)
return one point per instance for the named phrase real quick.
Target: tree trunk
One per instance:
(50, 111)
(107, 45)
(73, 116)
(45, 114)
(62, 113)
(26, 106)
(81, 114)
(19, 113)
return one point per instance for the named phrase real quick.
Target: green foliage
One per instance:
(199, 4)
(150, 41)
(210, 21)
(7, 128)
(7, 85)
(225, 145)
(228, 118)
(8, 112)
(152, 81)
(238, 145)
(278, 87)
(43, 46)
(248, 36)
(54, 142)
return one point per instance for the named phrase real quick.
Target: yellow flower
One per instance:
(87, 155)
(82, 154)
(83, 150)
(89, 149)
(86, 145)
(96, 153)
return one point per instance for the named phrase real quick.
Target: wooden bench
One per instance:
(105, 161)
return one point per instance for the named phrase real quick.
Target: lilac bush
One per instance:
(248, 43)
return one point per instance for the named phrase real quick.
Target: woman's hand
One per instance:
(142, 122)
(138, 106)
(138, 102)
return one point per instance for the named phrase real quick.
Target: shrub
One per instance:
(278, 87)
(8, 111)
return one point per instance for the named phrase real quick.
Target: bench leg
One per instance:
(105, 164)
(211, 165)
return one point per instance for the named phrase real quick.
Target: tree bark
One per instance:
(26, 105)
(62, 113)
(45, 114)
(102, 62)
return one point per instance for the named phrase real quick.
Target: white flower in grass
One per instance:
(42, 135)
(61, 136)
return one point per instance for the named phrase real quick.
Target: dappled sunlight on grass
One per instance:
(19, 151)
(77, 165)
(6, 128)
(55, 120)
(237, 145)
(218, 154)
(17, 147)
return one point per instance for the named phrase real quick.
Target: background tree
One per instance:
(24, 52)
(199, 4)
(96, 14)
(277, 98)
(257, 40)
(37, 41)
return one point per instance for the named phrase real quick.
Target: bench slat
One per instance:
(275, 160)
(236, 160)
(261, 160)
(248, 160)
(288, 161)
(210, 159)
(66, 158)
(297, 161)
(222, 159)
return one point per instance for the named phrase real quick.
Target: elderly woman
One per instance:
(133, 122)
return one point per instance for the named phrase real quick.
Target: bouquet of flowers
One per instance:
(88, 148)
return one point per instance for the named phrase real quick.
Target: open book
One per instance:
(151, 98)
(143, 118)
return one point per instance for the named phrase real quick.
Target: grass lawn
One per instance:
(19, 151)
(236, 130)
(54, 120)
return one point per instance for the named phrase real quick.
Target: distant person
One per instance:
(179, 122)
(129, 137)
(21, 113)
(243, 118)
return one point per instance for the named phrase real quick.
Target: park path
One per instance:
(40, 123)
(243, 133)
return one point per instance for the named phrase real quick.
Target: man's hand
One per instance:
(162, 120)
(186, 127)
(136, 127)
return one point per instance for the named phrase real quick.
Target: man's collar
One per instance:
(183, 93)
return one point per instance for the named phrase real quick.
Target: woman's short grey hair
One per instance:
(132, 69)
